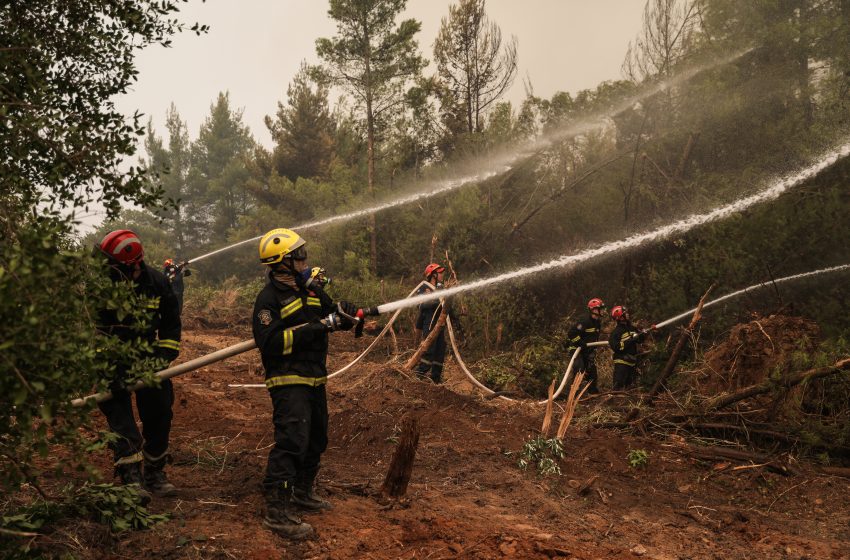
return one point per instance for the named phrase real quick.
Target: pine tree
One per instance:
(303, 129)
(374, 60)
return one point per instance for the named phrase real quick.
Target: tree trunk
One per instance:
(686, 155)
(401, 465)
(370, 158)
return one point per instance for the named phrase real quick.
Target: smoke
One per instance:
(506, 160)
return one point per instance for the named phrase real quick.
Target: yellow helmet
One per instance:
(280, 243)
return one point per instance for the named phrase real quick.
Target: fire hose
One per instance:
(397, 307)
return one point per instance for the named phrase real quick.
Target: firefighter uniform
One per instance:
(293, 344)
(431, 363)
(624, 342)
(154, 403)
(579, 336)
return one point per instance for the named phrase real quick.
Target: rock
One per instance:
(638, 550)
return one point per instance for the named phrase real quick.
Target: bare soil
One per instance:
(467, 498)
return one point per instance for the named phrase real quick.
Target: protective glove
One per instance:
(337, 322)
(348, 308)
(167, 354)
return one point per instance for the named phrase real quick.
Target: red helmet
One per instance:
(122, 246)
(619, 312)
(595, 303)
(433, 268)
(168, 262)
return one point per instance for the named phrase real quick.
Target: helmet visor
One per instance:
(299, 254)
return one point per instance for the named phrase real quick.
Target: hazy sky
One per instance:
(254, 48)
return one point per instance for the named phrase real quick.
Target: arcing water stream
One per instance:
(498, 164)
(752, 288)
(775, 190)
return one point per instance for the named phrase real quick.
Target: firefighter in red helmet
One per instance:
(431, 363)
(624, 342)
(580, 335)
(124, 254)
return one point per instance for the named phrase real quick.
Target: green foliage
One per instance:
(638, 458)
(61, 147)
(303, 130)
(116, 506)
(543, 454)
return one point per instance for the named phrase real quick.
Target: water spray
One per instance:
(495, 165)
(772, 192)
(752, 288)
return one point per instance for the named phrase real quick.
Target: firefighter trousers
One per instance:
(154, 404)
(431, 363)
(588, 365)
(300, 420)
(624, 376)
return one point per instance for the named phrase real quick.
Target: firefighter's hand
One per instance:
(167, 354)
(337, 322)
(348, 308)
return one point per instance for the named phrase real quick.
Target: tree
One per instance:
(61, 149)
(668, 26)
(171, 166)
(471, 59)
(374, 60)
(303, 129)
(219, 161)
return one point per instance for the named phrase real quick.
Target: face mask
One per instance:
(302, 277)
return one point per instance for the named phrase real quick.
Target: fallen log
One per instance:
(725, 400)
(836, 471)
(715, 453)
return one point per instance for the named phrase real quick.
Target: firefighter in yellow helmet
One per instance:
(291, 321)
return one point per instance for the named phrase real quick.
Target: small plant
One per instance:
(638, 458)
(543, 453)
(118, 506)
(114, 505)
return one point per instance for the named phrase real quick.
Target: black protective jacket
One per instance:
(293, 343)
(583, 333)
(624, 342)
(430, 311)
(164, 327)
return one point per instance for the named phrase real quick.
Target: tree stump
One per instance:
(401, 466)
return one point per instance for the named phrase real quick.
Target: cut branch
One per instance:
(680, 345)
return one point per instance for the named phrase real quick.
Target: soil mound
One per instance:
(756, 350)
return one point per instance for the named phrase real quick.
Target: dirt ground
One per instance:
(467, 497)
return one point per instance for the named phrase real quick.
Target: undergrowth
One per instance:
(117, 507)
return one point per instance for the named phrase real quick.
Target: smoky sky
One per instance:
(255, 47)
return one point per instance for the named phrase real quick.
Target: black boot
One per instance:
(130, 474)
(155, 480)
(281, 517)
(304, 496)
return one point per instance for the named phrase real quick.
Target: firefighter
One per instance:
(624, 342)
(431, 363)
(125, 256)
(580, 335)
(291, 322)
(175, 274)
